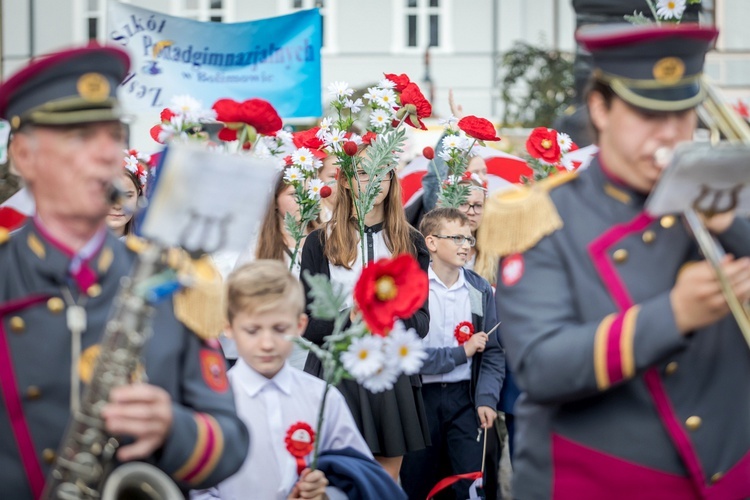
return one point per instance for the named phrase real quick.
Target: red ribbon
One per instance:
(448, 481)
(463, 332)
(300, 440)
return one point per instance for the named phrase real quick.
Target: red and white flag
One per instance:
(15, 210)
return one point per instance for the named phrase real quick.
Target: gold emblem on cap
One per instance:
(93, 87)
(669, 70)
(15, 122)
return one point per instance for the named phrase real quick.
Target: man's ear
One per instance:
(20, 153)
(598, 110)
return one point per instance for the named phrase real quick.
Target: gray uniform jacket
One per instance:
(616, 403)
(207, 442)
(488, 367)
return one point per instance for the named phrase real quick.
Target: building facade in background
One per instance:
(364, 38)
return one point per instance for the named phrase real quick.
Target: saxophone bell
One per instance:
(139, 481)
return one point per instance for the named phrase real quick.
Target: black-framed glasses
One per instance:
(458, 239)
(478, 207)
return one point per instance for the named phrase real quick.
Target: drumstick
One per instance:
(494, 328)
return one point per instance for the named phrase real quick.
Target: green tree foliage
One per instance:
(537, 85)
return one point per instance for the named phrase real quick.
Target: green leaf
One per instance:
(327, 299)
(639, 19)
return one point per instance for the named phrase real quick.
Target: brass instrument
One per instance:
(86, 455)
(721, 120)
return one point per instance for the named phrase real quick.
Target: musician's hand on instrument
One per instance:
(311, 485)
(718, 223)
(141, 411)
(697, 299)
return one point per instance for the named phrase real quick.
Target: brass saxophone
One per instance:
(86, 455)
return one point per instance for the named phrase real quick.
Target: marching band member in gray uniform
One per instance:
(635, 379)
(67, 145)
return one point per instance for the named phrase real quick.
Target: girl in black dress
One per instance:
(392, 422)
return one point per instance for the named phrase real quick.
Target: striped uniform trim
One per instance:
(614, 358)
(207, 452)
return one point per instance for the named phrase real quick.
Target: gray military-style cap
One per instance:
(652, 67)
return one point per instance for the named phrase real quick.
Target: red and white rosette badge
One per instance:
(299, 440)
(463, 332)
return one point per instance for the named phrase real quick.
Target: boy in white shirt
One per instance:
(265, 305)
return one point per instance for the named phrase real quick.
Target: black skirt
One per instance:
(392, 422)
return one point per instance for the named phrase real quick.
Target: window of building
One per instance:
(327, 10)
(202, 10)
(420, 24)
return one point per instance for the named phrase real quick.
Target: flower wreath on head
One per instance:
(137, 164)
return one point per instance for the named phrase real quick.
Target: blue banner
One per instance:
(276, 59)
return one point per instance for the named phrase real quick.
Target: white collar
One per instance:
(460, 282)
(253, 382)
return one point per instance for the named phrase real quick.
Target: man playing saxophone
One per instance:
(60, 274)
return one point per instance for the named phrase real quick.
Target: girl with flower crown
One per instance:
(393, 422)
(133, 184)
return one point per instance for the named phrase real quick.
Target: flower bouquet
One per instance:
(394, 101)
(548, 153)
(375, 348)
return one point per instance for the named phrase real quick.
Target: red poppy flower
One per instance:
(542, 145)
(166, 115)
(261, 115)
(478, 128)
(463, 332)
(401, 81)
(369, 137)
(416, 105)
(308, 139)
(155, 133)
(227, 111)
(227, 134)
(428, 153)
(389, 289)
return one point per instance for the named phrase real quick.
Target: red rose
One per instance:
(227, 111)
(478, 128)
(166, 115)
(261, 115)
(542, 145)
(428, 153)
(389, 289)
(350, 148)
(369, 137)
(308, 139)
(325, 191)
(401, 81)
(155, 133)
(227, 134)
(416, 105)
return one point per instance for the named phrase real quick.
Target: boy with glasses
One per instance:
(464, 371)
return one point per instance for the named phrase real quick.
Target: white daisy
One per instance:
(380, 118)
(284, 136)
(405, 347)
(364, 357)
(354, 106)
(317, 164)
(325, 126)
(303, 157)
(564, 141)
(184, 104)
(454, 142)
(567, 162)
(340, 90)
(314, 187)
(335, 139)
(356, 139)
(381, 380)
(293, 174)
(373, 93)
(670, 9)
(385, 83)
(445, 155)
(448, 122)
(387, 99)
(131, 164)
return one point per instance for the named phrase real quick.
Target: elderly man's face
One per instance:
(70, 169)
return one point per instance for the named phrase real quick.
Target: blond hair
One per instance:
(433, 220)
(261, 286)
